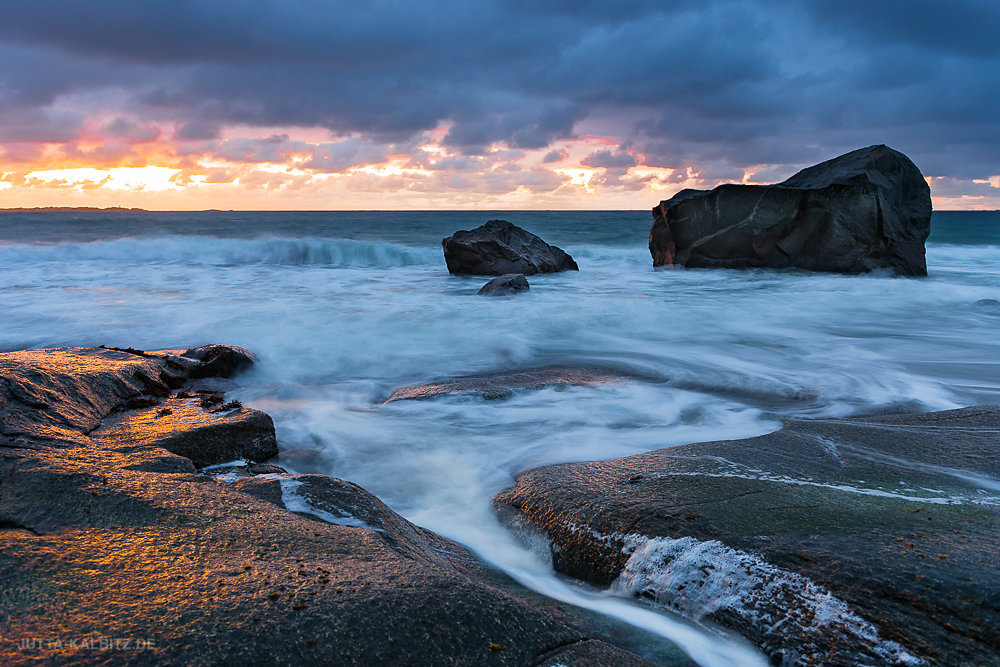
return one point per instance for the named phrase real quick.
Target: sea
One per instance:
(343, 308)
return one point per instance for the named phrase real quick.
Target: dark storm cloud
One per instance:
(967, 27)
(23, 124)
(197, 130)
(609, 159)
(728, 83)
(123, 128)
(344, 154)
(523, 127)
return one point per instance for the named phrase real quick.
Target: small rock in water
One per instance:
(266, 469)
(502, 385)
(511, 283)
(499, 247)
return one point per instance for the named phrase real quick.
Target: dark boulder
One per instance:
(511, 283)
(869, 209)
(499, 247)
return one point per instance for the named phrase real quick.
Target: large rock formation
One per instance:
(866, 210)
(844, 541)
(498, 248)
(115, 549)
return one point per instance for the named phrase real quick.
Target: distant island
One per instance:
(72, 209)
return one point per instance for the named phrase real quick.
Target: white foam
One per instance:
(846, 488)
(698, 578)
(533, 568)
(238, 463)
(973, 478)
(295, 502)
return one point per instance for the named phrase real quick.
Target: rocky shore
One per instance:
(119, 547)
(871, 540)
(141, 523)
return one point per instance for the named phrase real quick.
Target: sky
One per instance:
(481, 104)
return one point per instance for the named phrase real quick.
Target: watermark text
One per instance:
(85, 644)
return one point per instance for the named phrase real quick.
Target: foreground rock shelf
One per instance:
(868, 540)
(115, 549)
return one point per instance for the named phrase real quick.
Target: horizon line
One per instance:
(124, 209)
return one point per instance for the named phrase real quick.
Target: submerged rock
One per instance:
(867, 210)
(499, 247)
(503, 385)
(107, 535)
(510, 283)
(806, 540)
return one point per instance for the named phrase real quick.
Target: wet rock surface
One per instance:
(806, 540)
(867, 210)
(503, 385)
(115, 549)
(183, 427)
(220, 360)
(504, 285)
(498, 248)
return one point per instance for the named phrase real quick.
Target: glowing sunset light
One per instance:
(432, 148)
(580, 177)
(656, 178)
(278, 168)
(152, 179)
(393, 168)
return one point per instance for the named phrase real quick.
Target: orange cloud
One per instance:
(119, 161)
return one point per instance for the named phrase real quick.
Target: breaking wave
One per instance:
(205, 250)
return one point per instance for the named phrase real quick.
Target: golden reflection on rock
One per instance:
(114, 549)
